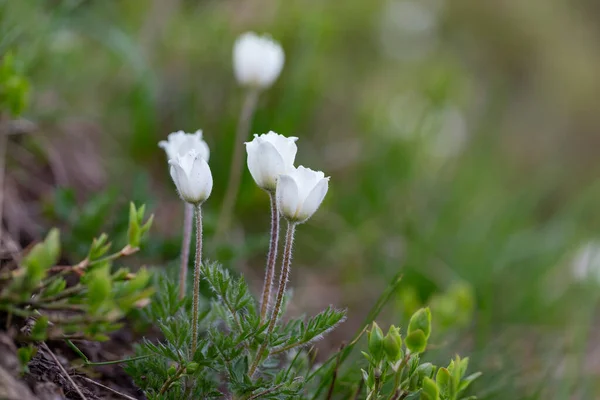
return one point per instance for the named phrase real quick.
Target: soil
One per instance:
(46, 381)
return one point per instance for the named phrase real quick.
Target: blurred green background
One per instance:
(461, 138)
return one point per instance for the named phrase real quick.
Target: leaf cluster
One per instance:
(36, 289)
(230, 336)
(395, 370)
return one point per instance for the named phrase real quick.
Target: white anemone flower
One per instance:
(179, 143)
(300, 192)
(192, 177)
(270, 155)
(257, 60)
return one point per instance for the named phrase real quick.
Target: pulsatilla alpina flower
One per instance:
(300, 192)
(270, 155)
(179, 143)
(257, 60)
(192, 177)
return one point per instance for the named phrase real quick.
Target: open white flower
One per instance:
(192, 177)
(257, 60)
(270, 155)
(178, 143)
(300, 192)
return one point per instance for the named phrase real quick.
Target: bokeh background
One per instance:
(461, 138)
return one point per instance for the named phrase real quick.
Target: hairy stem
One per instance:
(198, 263)
(188, 221)
(271, 259)
(285, 273)
(235, 172)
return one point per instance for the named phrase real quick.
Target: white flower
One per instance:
(270, 155)
(300, 192)
(257, 60)
(192, 177)
(586, 262)
(179, 143)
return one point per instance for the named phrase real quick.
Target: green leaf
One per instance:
(99, 288)
(444, 382)
(375, 342)
(421, 320)
(465, 382)
(25, 354)
(426, 370)
(100, 247)
(56, 286)
(139, 281)
(41, 257)
(430, 390)
(392, 344)
(39, 329)
(52, 245)
(133, 232)
(416, 341)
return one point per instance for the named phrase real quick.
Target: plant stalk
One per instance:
(188, 222)
(271, 259)
(3, 147)
(197, 264)
(235, 172)
(285, 273)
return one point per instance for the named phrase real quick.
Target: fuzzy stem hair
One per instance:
(271, 259)
(188, 222)
(283, 278)
(197, 265)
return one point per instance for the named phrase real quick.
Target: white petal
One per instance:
(201, 145)
(286, 146)
(274, 59)
(287, 196)
(257, 60)
(306, 179)
(265, 165)
(314, 200)
(200, 179)
(168, 148)
(179, 176)
(186, 160)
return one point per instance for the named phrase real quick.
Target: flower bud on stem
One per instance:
(188, 221)
(198, 263)
(285, 273)
(235, 172)
(271, 258)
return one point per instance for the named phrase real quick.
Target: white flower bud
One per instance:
(257, 60)
(270, 155)
(192, 177)
(300, 192)
(179, 143)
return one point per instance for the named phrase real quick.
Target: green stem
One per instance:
(188, 222)
(197, 265)
(271, 258)
(235, 172)
(285, 272)
(172, 379)
(87, 361)
(373, 313)
(73, 290)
